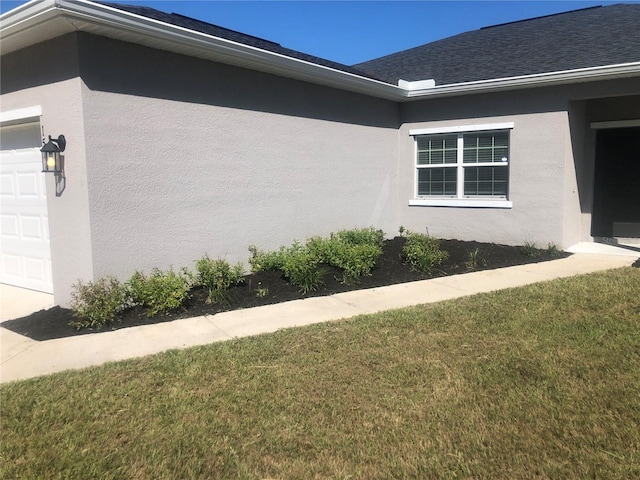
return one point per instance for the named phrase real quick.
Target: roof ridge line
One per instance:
(542, 16)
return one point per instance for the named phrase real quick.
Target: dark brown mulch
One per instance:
(390, 269)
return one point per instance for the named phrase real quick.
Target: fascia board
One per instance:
(25, 11)
(527, 81)
(26, 16)
(36, 12)
(188, 41)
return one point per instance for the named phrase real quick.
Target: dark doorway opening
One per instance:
(616, 196)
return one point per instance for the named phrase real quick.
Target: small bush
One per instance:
(355, 252)
(218, 276)
(320, 248)
(352, 251)
(261, 291)
(261, 261)
(98, 303)
(301, 268)
(530, 249)
(553, 250)
(423, 252)
(161, 292)
(475, 260)
(362, 236)
(354, 260)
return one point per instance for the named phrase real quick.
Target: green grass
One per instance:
(535, 382)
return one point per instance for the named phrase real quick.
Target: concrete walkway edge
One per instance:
(23, 358)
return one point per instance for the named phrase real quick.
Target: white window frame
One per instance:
(459, 200)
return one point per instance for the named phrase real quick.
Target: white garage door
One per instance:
(24, 230)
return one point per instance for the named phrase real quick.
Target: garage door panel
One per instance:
(28, 186)
(9, 226)
(11, 266)
(29, 272)
(25, 250)
(35, 269)
(7, 187)
(32, 228)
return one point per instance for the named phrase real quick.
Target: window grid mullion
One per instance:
(460, 169)
(435, 177)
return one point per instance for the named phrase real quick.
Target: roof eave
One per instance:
(17, 31)
(25, 26)
(607, 72)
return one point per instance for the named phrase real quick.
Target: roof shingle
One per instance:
(584, 38)
(232, 35)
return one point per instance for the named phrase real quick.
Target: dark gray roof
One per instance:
(225, 33)
(582, 38)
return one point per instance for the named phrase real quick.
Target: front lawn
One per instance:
(535, 382)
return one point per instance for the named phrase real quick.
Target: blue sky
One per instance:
(354, 31)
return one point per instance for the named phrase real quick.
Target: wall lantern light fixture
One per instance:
(51, 158)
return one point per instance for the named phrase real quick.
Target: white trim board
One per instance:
(462, 128)
(20, 114)
(460, 202)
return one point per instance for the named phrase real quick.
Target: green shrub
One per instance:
(217, 276)
(320, 248)
(530, 249)
(423, 252)
(98, 303)
(358, 260)
(261, 291)
(355, 252)
(553, 250)
(475, 260)
(261, 261)
(300, 267)
(362, 236)
(354, 260)
(161, 292)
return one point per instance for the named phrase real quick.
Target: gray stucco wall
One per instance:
(186, 157)
(551, 165)
(538, 150)
(47, 75)
(171, 157)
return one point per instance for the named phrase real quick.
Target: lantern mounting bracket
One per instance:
(60, 141)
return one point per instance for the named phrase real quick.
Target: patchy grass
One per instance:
(534, 382)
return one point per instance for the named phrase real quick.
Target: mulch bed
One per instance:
(390, 269)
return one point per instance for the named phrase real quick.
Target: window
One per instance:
(466, 167)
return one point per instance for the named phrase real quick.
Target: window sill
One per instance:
(461, 202)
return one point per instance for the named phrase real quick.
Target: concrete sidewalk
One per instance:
(23, 358)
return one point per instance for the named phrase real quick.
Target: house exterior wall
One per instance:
(538, 152)
(552, 157)
(171, 157)
(208, 158)
(47, 75)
